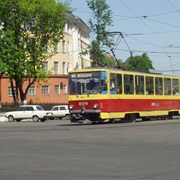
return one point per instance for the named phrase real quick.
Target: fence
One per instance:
(5, 107)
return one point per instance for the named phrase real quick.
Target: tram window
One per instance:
(128, 84)
(149, 85)
(115, 83)
(167, 86)
(158, 86)
(119, 83)
(175, 88)
(139, 80)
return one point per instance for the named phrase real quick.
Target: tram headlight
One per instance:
(71, 107)
(95, 106)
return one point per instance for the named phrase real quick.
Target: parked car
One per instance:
(60, 111)
(34, 112)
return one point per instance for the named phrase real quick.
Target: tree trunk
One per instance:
(15, 94)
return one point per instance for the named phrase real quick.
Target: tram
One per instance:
(100, 94)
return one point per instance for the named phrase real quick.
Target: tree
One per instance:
(101, 18)
(108, 61)
(27, 28)
(67, 3)
(139, 63)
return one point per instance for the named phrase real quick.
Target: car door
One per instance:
(29, 112)
(62, 111)
(55, 111)
(19, 114)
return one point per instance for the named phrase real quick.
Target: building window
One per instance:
(64, 68)
(65, 89)
(31, 91)
(45, 90)
(45, 48)
(29, 25)
(56, 47)
(30, 44)
(63, 46)
(56, 89)
(56, 67)
(45, 66)
(10, 91)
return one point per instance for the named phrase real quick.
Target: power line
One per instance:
(174, 7)
(136, 17)
(143, 22)
(165, 13)
(144, 51)
(146, 21)
(160, 32)
(150, 29)
(161, 22)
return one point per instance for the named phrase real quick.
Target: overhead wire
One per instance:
(162, 22)
(173, 6)
(144, 22)
(150, 29)
(161, 32)
(136, 17)
(157, 34)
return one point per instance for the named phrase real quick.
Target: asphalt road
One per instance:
(61, 150)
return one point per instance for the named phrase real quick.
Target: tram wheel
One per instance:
(170, 116)
(146, 119)
(132, 117)
(111, 120)
(129, 118)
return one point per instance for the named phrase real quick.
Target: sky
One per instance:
(148, 26)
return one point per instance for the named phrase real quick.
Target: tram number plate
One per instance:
(84, 103)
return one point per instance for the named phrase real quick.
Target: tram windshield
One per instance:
(87, 83)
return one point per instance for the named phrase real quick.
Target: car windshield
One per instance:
(39, 108)
(87, 82)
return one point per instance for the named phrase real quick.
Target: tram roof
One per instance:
(151, 71)
(146, 71)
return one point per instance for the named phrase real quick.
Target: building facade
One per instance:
(67, 57)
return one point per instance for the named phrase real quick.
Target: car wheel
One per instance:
(18, 120)
(10, 118)
(35, 118)
(43, 120)
(67, 116)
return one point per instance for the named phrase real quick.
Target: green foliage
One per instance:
(26, 27)
(109, 62)
(102, 16)
(139, 63)
(101, 19)
(96, 54)
(68, 5)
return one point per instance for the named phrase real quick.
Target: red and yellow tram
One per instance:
(100, 94)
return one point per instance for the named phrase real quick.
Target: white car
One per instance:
(34, 112)
(60, 111)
